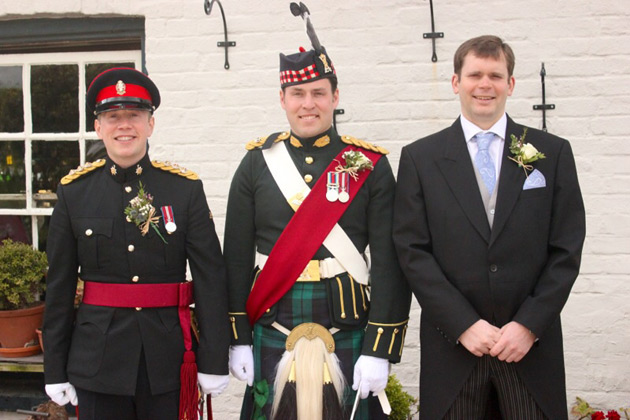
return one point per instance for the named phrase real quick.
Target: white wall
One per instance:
(392, 94)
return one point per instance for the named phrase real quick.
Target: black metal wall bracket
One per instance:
(207, 5)
(544, 106)
(335, 113)
(433, 35)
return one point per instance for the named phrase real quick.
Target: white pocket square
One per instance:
(535, 180)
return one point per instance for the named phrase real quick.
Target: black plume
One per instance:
(295, 9)
(302, 10)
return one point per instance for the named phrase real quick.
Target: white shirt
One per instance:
(496, 146)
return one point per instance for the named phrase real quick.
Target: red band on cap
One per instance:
(132, 91)
(297, 76)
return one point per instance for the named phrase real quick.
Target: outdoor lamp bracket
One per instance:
(544, 106)
(207, 5)
(433, 35)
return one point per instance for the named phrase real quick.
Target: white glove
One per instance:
(62, 394)
(242, 363)
(212, 384)
(370, 373)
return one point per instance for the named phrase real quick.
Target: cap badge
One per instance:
(327, 68)
(121, 88)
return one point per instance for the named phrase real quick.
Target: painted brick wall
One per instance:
(392, 94)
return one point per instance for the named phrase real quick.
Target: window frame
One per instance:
(26, 61)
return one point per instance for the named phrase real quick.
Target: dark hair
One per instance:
(483, 47)
(333, 83)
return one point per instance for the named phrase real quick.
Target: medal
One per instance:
(170, 227)
(169, 219)
(332, 186)
(344, 187)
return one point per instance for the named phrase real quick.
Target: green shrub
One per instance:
(22, 270)
(401, 402)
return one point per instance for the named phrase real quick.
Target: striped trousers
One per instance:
(515, 401)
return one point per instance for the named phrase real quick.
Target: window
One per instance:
(45, 128)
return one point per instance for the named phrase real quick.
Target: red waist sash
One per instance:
(156, 295)
(138, 295)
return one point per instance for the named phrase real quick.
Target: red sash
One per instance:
(301, 239)
(157, 295)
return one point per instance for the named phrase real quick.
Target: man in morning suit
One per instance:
(127, 226)
(298, 281)
(489, 225)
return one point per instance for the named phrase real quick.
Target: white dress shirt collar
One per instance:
(496, 147)
(470, 129)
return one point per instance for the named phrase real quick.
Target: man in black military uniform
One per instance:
(130, 225)
(367, 335)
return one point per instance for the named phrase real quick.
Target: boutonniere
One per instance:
(141, 212)
(525, 153)
(355, 163)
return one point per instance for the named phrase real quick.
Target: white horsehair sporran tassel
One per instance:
(308, 376)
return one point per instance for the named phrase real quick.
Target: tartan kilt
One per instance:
(305, 302)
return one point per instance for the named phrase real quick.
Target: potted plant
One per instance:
(22, 270)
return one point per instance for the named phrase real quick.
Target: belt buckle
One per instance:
(311, 272)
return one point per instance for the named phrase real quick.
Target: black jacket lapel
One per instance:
(510, 182)
(457, 169)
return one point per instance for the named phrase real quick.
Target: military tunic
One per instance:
(256, 216)
(100, 352)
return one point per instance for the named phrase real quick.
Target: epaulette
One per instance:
(82, 170)
(174, 168)
(267, 141)
(364, 144)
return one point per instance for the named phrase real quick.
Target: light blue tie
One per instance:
(484, 162)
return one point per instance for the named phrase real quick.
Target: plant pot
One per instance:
(40, 338)
(17, 327)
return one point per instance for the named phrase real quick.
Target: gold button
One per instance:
(308, 159)
(308, 177)
(130, 248)
(88, 232)
(135, 279)
(128, 189)
(138, 309)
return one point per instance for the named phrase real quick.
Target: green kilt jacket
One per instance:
(257, 214)
(99, 349)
